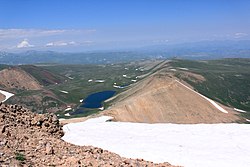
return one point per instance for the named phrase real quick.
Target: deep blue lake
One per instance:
(95, 100)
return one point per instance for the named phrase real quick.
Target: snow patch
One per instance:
(101, 108)
(6, 94)
(99, 81)
(67, 114)
(119, 87)
(239, 110)
(68, 109)
(63, 91)
(192, 145)
(211, 101)
(186, 69)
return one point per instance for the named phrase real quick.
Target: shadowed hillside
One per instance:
(16, 78)
(44, 76)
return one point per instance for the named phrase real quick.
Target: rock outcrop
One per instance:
(30, 139)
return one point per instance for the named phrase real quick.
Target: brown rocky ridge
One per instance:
(30, 139)
(16, 78)
(163, 98)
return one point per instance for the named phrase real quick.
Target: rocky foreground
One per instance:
(30, 139)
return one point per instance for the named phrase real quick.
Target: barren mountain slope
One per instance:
(18, 79)
(42, 75)
(161, 98)
(29, 139)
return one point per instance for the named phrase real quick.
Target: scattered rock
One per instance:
(30, 139)
(49, 149)
(2, 129)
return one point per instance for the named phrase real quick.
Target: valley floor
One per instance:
(187, 145)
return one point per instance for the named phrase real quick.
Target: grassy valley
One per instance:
(63, 86)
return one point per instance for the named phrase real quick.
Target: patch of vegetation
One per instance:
(20, 157)
(3, 66)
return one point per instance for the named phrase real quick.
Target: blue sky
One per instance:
(77, 25)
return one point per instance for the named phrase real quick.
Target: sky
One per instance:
(79, 25)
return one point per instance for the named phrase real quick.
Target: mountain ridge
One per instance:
(163, 98)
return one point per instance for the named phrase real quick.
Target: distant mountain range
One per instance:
(195, 50)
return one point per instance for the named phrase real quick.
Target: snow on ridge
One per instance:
(190, 145)
(211, 101)
(6, 94)
(239, 110)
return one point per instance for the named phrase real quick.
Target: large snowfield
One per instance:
(195, 145)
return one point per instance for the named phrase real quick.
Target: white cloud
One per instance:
(50, 44)
(72, 43)
(87, 42)
(60, 43)
(69, 43)
(26, 33)
(24, 44)
(161, 41)
(240, 35)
